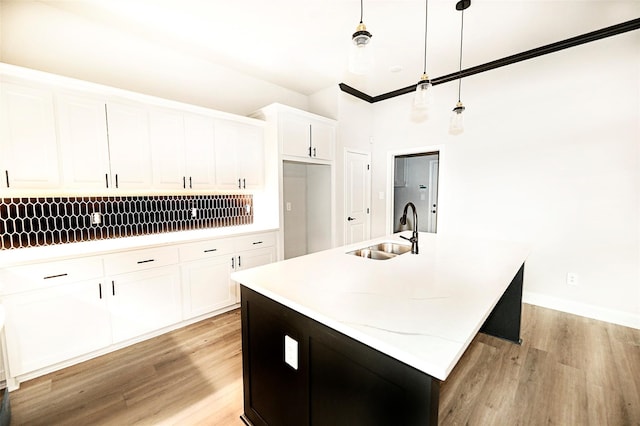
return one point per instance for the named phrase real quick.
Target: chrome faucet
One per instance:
(414, 236)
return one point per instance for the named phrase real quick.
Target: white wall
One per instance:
(550, 155)
(307, 225)
(355, 132)
(45, 38)
(294, 190)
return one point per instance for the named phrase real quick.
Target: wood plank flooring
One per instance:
(568, 371)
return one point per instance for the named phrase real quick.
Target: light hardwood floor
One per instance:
(568, 371)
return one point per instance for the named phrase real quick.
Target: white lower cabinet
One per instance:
(141, 302)
(206, 286)
(251, 251)
(62, 310)
(206, 282)
(51, 325)
(251, 259)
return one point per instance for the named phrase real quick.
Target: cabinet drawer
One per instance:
(255, 241)
(205, 249)
(138, 260)
(41, 275)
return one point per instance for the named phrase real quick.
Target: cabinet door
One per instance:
(206, 286)
(82, 123)
(199, 151)
(322, 141)
(295, 133)
(226, 151)
(129, 149)
(145, 301)
(239, 155)
(251, 259)
(251, 156)
(166, 134)
(28, 142)
(51, 325)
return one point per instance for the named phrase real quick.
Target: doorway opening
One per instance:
(306, 189)
(415, 180)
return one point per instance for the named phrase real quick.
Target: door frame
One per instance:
(440, 149)
(345, 191)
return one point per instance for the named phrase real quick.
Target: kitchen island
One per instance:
(333, 338)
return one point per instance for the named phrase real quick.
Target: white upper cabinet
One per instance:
(166, 132)
(322, 140)
(305, 136)
(82, 125)
(199, 151)
(182, 150)
(239, 153)
(129, 147)
(63, 136)
(28, 142)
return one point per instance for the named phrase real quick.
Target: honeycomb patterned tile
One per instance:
(33, 222)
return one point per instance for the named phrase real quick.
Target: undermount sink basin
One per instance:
(382, 251)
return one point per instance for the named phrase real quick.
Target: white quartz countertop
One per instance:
(423, 310)
(17, 257)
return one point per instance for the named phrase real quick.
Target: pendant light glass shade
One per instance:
(423, 98)
(456, 123)
(361, 56)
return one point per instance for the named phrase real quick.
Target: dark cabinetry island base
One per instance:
(297, 371)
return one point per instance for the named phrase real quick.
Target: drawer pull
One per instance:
(113, 288)
(100, 290)
(145, 261)
(55, 276)
(257, 242)
(210, 250)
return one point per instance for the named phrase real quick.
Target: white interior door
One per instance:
(357, 196)
(433, 195)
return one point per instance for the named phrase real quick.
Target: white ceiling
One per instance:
(303, 45)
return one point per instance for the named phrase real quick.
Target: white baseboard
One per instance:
(627, 319)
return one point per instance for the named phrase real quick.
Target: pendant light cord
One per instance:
(460, 64)
(361, 7)
(426, 15)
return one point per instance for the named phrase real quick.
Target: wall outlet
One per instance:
(291, 352)
(288, 204)
(572, 279)
(96, 218)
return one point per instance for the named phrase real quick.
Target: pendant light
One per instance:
(361, 58)
(424, 94)
(456, 124)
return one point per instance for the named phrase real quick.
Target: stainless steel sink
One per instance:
(382, 251)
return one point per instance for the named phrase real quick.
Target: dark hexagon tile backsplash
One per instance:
(32, 222)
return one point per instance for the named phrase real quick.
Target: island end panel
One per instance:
(325, 377)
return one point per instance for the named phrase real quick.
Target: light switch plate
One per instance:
(291, 352)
